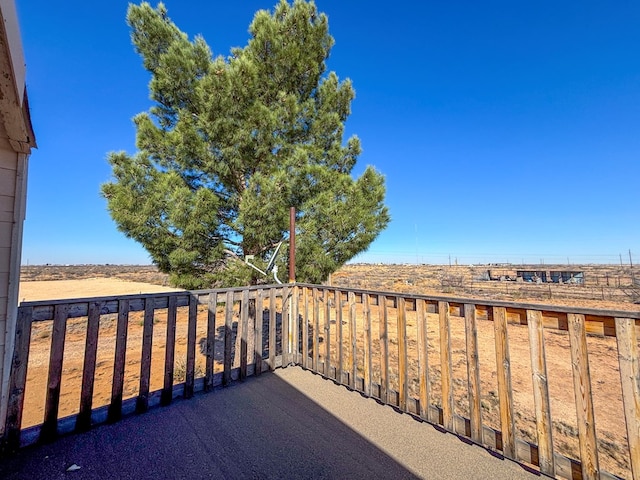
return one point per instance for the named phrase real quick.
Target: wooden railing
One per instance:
(520, 379)
(553, 387)
(235, 342)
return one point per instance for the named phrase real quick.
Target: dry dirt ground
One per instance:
(42, 283)
(88, 287)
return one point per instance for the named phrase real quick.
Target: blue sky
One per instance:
(507, 131)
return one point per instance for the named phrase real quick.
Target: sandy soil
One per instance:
(88, 287)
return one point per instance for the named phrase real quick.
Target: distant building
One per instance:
(535, 276)
(565, 276)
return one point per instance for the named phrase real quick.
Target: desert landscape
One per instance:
(614, 287)
(605, 287)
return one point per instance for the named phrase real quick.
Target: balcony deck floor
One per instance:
(281, 425)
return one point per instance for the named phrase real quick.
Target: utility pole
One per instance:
(416, 225)
(292, 245)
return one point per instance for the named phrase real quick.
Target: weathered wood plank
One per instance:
(600, 325)
(505, 392)
(528, 453)
(446, 368)
(115, 407)
(258, 324)
(211, 341)
(305, 327)
(18, 377)
(403, 384)
(423, 360)
(383, 318)
(295, 347)
(50, 424)
(473, 372)
(541, 402)
(169, 353)
(316, 331)
(43, 310)
(142, 403)
(367, 356)
(286, 322)
(189, 376)
(79, 307)
(340, 335)
(237, 330)
(630, 379)
(353, 342)
(83, 421)
(273, 346)
(584, 399)
(243, 327)
(327, 332)
(228, 339)
(251, 334)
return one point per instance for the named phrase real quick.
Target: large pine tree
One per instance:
(232, 142)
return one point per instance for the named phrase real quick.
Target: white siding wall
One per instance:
(12, 207)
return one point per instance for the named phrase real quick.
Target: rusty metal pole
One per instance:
(292, 245)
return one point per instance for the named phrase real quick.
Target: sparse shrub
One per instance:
(180, 370)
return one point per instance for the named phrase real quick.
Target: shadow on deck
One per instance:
(286, 424)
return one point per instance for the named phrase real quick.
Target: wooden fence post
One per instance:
(505, 391)
(295, 325)
(83, 421)
(189, 376)
(630, 378)
(228, 339)
(366, 311)
(142, 403)
(243, 331)
(383, 318)
(403, 384)
(445, 366)
(115, 407)
(353, 341)
(339, 334)
(327, 333)
(258, 323)
(286, 324)
(304, 324)
(169, 355)
(316, 330)
(212, 306)
(423, 360)
(50, 426)
(273, 327)
(582, 393)
(473, 372)
(18, 378)
(541, 402)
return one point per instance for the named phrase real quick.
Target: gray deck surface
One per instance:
(281, 425)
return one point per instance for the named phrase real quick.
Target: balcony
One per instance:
(529, 389)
